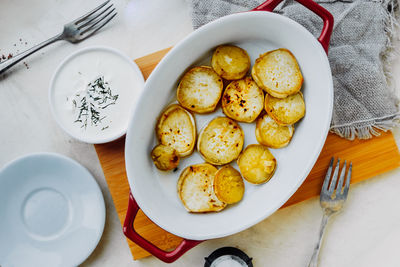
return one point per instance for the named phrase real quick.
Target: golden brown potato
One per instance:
(243, 100)
(200, 89)
(228, 185)
(257, 164)
(176, 128)
(230, 62)
(271, 134)
(195, 189)
(220, 141)
(278, 73)
(285, 111)
(165, 157)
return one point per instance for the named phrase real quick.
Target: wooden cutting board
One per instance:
(369, 157)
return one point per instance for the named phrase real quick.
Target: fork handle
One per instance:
(5, 65)
(314, 258)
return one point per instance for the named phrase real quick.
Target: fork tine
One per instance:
(341, 179)
(78, 20)
(334, 177)
(347, 185)
(98, 27)
(95, 17)
(328, 176)
(97, 21)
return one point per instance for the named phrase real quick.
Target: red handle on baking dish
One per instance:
(165, 256)
(324, 14)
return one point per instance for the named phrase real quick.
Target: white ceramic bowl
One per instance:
(256, 32)
(74, 72)
(52, 212)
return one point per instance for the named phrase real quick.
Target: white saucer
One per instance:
(52, 212)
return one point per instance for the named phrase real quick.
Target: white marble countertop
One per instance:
(365, 234)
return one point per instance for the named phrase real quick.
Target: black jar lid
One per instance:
(224, 256)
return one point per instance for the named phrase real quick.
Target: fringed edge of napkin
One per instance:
(352, 130)
(375, 126)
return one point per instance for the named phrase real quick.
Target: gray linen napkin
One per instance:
(360, 54)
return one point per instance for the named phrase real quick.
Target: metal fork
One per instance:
(74, 32)
(332, 199)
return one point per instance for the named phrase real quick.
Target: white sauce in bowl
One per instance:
(70, 83)
(228, 261)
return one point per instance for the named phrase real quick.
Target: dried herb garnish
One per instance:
(92, 101)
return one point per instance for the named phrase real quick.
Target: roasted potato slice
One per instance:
(176, 128)
(200, 89)
(285, 111)
(257, 164)
(271, 134)
(230, 62)
(195, 189)
(220, 141)
(228, 185)
(278, 73)
(243, 100)
(165, 157)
